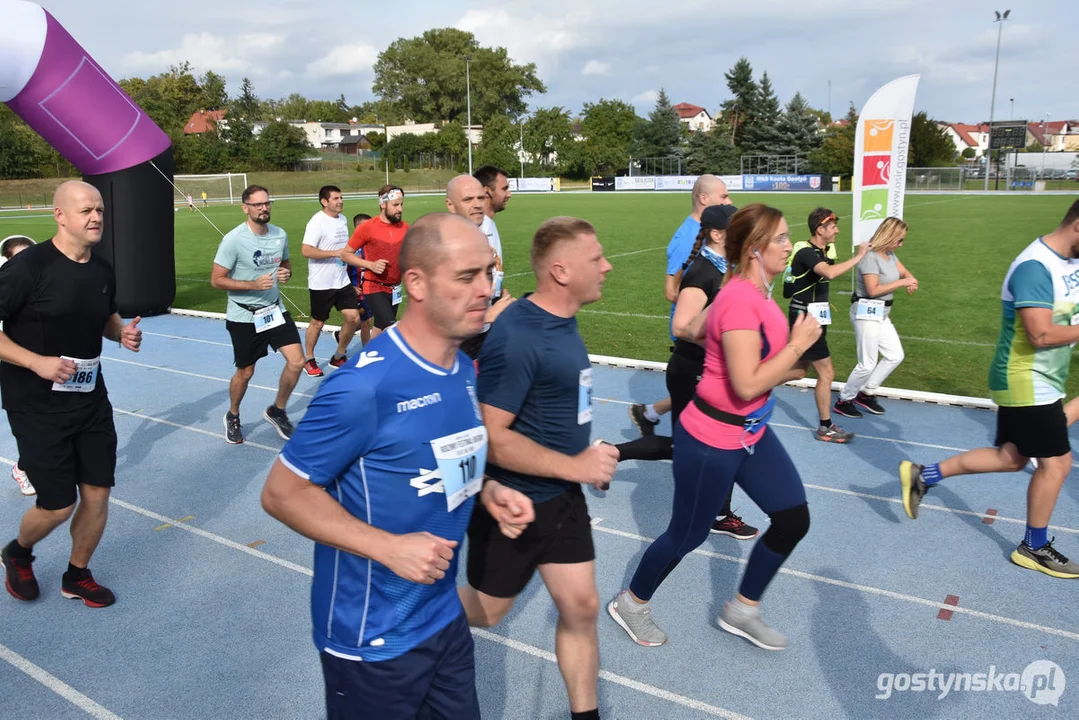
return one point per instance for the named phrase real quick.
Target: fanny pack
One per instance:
(256, 308)
(750, 423)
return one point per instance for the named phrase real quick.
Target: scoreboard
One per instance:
(1008, 136)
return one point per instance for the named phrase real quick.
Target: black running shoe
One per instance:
(646, 426)
(234, 432)
(846, 408)
(732, 526)
(20, 582)
(912, 487)
(868, 403)
(83, 587)
(279, 419)
(337, 336)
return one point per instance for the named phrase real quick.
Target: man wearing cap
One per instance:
(380, 239)
(811, 267)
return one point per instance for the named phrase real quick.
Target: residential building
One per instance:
(694, 117)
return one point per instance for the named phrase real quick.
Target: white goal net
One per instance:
(224, 188)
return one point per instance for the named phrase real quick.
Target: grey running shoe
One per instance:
(752, 628)
(1045, 559)
(234, 434)
(912, 487)
(646, 426)
(636, 620)
(833, 434)
(279, 419)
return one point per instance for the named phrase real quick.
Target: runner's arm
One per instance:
(513, 451)
(1043, 332)
(670, 287)
(831, 272)
(873, 288)
(219, 278)
(313, 253)
(690, 304)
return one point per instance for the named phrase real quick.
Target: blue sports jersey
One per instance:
(678, 251)
(535, 366)
(370, 437)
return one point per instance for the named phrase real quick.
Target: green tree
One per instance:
(281, 146)
(21, 152)
(744, 90)
(547, 133)
(760, 134)
(929, 145)
(797, 128)
(169, 98)
(835, 156)
(238, 136)
(377, 140)
(499, 143)
(247, 104)
(425, 78)
(661, 135)
(214, 96)
(712, 151)
(452, 139)
(607, 131)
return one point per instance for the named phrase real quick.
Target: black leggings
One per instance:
(682, 376)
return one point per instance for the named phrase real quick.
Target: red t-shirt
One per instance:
(739, 305)
(380, 241)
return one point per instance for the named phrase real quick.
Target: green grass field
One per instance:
(959, 247)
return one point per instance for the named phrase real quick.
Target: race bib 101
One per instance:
(268, 318)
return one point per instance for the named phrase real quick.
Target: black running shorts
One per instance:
(381, 306)
(561, 534)
(818, 350)
(248, 346)
(1038, 431)
(60, 451)
(322, 301)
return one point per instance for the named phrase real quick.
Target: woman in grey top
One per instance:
(878, 276)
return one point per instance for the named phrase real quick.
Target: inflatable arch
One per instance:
(49, 81)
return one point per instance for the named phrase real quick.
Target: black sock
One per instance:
(586, 715)
(14, 549)
(73, 573)
(826, 423)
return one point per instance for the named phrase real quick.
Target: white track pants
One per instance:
(879, 353)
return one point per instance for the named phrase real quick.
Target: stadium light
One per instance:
(468, 91)
(1045, 142)
(993, 102)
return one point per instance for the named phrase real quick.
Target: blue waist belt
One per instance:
(752, 422)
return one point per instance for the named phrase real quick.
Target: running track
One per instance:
(212, 617)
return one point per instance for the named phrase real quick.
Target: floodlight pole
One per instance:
(993, 102)
(1045, 142)
(468, 91)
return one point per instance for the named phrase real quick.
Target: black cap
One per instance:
(716, 217)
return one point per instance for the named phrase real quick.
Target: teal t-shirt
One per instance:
(248, 256)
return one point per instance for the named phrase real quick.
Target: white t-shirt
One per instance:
(495, 241)
(326, 233)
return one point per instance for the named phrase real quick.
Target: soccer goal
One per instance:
(226, 187)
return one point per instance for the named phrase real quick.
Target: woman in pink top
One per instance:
(723, 436)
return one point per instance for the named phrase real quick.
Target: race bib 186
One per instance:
(85, 378)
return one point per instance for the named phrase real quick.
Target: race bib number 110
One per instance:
(462, 458)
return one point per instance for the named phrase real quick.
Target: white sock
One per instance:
(650, 413)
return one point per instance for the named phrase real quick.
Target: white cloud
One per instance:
(206, 51)
(648, 97)
(343, 60)
(533, 38)
(596, 67)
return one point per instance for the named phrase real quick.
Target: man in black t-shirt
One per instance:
(812, 267)
(57, 300)
(535, 391)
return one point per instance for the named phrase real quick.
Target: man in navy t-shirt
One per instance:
(535, 392)
(381, 473)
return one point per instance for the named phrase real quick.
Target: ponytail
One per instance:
(702, 237)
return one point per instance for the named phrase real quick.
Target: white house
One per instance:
(694, 117)
(965, 136)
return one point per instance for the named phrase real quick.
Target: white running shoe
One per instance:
(24, 482)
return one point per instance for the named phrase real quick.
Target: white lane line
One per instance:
(615, 678)
(58, 686)
(192, 428)
(159, 368)
(869, 589)
(189, 339)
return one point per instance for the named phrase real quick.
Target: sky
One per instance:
(585, 50)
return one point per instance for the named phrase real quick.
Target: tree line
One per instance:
(423, 79)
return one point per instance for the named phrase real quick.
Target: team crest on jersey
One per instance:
(475, 401)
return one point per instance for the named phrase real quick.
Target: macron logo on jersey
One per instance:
(420, 402)
(369, 358)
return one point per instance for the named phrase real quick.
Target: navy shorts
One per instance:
(435, 680)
